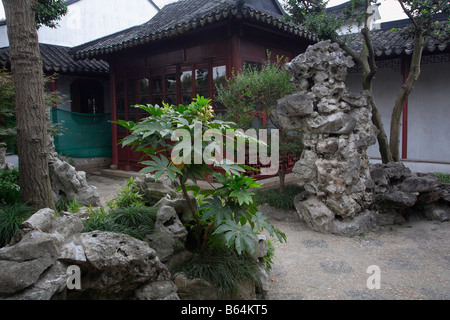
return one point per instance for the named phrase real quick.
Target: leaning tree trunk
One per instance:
(366, 60)
(406, 89)
(26, 64)
(383, 143)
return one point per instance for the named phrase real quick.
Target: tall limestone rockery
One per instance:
(337, 130)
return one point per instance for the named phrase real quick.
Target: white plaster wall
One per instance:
(3, 37)
(88, 20)
(428, 111)
(429, 115)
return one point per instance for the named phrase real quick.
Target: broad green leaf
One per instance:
(225, 228)
(243, 196)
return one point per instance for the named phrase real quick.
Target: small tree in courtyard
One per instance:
(228, 216)
(422, 13)
(251, 96)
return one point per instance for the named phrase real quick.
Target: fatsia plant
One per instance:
(166, 138)
(232, 213)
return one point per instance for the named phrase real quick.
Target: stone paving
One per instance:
(414, 259)
(107, 186)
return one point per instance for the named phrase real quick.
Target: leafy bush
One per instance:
(97, 220)
(9, 189)
(443, 177)
(125, 214)
(224, 269)
(274, 198)
(253, 92)
(11, 217)
(128, 196)
(231, 213)
(67, 205)
(270, 255)
(252, 95)
(228, 213)
(136, 221)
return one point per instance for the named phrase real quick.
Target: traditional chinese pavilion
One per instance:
(186, 49)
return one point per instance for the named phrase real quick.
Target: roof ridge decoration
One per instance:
(195, 14)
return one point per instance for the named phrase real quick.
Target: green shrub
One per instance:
(443, 177)
(270, 255)
(11, 217)
(136, 221)
(98, 220)
(228, 211)
(9, 189)
(68, 206)
(252, 95)
(224, 269)
(128, 196)
(273, 197)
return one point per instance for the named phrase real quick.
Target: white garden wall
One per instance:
(88, 20)
(428, 145)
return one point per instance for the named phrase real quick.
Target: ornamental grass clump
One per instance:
(224, 269)
(11, 217)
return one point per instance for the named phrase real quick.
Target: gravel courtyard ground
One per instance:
(413, 259)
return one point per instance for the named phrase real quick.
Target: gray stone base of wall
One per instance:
(422, 166)
(92, 164)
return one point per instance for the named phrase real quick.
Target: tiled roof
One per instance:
(57, 59)
(183, 16)
(388, 43)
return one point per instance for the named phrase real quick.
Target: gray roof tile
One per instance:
(387, 42)
(57, 59)
(185, 15)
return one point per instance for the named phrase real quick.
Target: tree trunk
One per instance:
(366, 60)
(406, 89)
(26, 65)
(383, 142)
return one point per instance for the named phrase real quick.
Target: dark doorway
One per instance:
(87, 96)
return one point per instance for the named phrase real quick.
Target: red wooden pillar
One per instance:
(115, 155)
(236, 60)
(405, 73)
